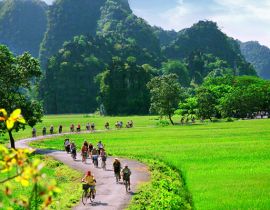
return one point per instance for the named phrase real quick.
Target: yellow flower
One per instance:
(15, 117)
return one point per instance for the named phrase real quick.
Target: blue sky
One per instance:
(242, 19)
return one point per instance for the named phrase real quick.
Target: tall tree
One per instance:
(165, 94)
(19, 74)
(123, 87)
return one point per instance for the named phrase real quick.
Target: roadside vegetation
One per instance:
(66, 179)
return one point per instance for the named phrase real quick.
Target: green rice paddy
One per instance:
(224, 165)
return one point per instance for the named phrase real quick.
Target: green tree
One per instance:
(188, 108)
(165, 94)
(19, 74)
(207, 103)
(178, 68)
(123, 87)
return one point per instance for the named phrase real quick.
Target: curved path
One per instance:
(110, 196)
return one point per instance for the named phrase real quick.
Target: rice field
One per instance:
(224, 165)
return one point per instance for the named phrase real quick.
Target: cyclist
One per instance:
(78, 127)
(107, 125)
(60, 129)
(67, 145)
(72, 128)
(88, 127)
(93, 126)
(126, 175)
(73, 150)
(100, 146)
(90, 180)
(90, 148)
(84, 151)
(117, 169)
(95, 156)
(51, 129)
(103, 156)
(44, 131)
(34, 132)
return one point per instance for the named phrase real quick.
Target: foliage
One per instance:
(19, 74)
(123, 87)
(17, 165)
(178, 68)
(235, 97)
(205, 37)
(165, 37)
(73, 69)
(165, 92)
(259, 56)
(22, 25)
(188, 108)
(66, 19)
(165, 191)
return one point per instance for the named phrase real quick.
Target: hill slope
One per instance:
(22, 25)
(66, 19)
(259, 56)
(206, 37)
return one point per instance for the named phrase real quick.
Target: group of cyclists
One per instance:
(89, 127)
(88, 150)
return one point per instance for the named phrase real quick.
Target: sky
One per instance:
(245, 20)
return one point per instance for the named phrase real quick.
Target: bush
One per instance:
(163, 123)
(165, 191)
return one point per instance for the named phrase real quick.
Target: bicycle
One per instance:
(126, 180)
(88, 194)
(126, 185)
(95, 160)
(103, 165)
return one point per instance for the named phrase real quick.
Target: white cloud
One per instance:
(241, 19)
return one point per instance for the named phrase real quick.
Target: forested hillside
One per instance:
(22, 25)
(95, 51)
(259, 56)
(206, 37)
(66, 19)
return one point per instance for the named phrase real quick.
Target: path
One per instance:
(110, 196)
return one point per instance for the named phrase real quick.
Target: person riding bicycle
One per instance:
(72, 128)
(90, 180)
(88, 126)
(100, 146)
(51, 129)
(73, 150)
(60, 129)
(93, 126)
(126, 175)
(67, 145)
(84, 151)
(34, 132)
(117, 169)
(95, 156)
(78, 127)
(103, 156)
(107, 125)
(44, 131)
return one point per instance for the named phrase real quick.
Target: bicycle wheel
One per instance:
(84, 197)
(126, 185)
(92, 195)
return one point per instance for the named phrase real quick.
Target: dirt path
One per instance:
(110, 196)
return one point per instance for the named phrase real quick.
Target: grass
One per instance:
(224, 165)
(68, 180)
